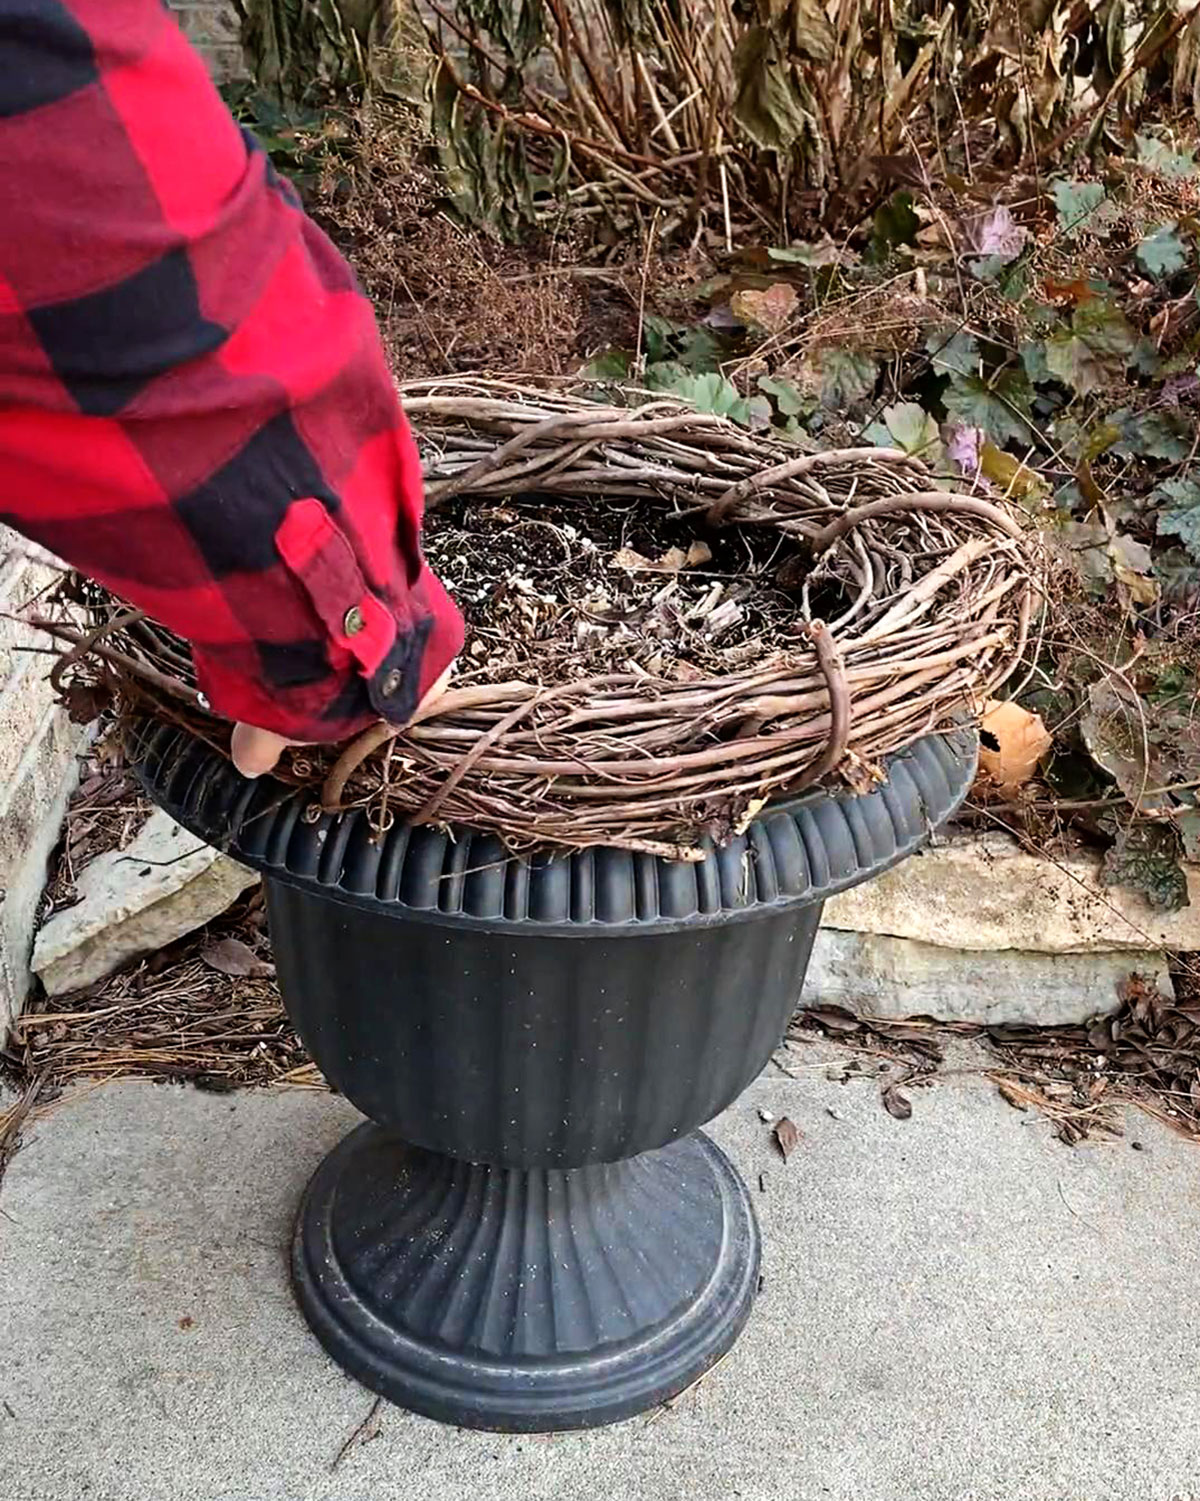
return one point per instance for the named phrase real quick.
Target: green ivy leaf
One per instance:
(990, 267)
(1033, 357)
(713, 393)
(785, 395)
(658, 338)
(759, 413)
(664, 375)
(911, 428)
(1158, 157)
(700, 350)
(708, 392)
(1162, 253)
(1042, 316)
(1178, 575)
(844, 379)
(1145, 858)
(610, 364)
(1175, 685)
(1162, 435)
(1105, 327)
(1179, 513)
(1095, 349)
(1013, 281)
(953, 351)
(1073, 361)
(694, 346)
(1000, 404)
(895, 224)
(1083, 206)
(1146, 359)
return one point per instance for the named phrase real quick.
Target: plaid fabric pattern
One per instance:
(195, 408)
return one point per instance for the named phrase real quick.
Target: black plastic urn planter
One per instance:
(531, 1233)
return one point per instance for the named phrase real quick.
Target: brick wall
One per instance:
(212, 26)
(39, 750)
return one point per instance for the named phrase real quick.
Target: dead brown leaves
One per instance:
(177, 1015)
(105, 813)
(233, 957)
(770, 309)
(1079, 1078)
(449, 298)
(1077, 1109)
(895, 1103)
(786, 1135)
(1147, 1054)
(893, 1055)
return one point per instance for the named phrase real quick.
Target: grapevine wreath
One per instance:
(671, 620)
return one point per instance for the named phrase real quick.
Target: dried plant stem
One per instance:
(830, 662)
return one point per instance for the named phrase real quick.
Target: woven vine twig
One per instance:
(935, 593)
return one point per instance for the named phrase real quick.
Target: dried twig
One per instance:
(830, 663)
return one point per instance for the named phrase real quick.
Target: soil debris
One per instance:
(550, 590)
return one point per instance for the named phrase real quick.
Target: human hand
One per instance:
(255, 751)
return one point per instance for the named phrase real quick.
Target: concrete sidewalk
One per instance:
(956, 1308)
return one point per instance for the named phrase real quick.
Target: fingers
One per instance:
(254, 751)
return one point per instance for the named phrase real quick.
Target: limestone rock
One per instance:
(39, 748)
(32, 804)
(987, 893)
(134, 901)
(894, 978)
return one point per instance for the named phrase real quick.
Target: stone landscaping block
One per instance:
(894, 978)
(985, 893)
(33, 801)
(135, 901)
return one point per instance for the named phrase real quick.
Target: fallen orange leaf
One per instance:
(1022, 740)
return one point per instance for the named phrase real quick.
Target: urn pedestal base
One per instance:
(572, 1016)
(529, 1300)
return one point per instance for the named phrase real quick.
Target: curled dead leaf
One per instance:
(674, 560)
(230, 956)
(897, 1104)
(751, 811)
(787, 1136)
(770, 309)
(1013, 742)
(1012, 1094)
(86, 701)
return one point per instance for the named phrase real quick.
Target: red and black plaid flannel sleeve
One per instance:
(195, 408)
